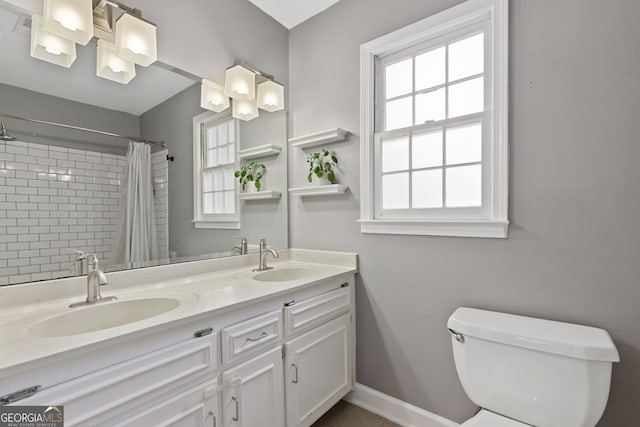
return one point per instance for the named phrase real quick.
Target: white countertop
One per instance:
(202, 287)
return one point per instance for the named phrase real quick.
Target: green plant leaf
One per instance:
(327, 166)
(335, 159)
(331, 177)
(236, 174)
(319, 174)
(309, 177)
(258, 185)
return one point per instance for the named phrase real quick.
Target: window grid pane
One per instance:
(218, 181)
(448, 82)
(444, 66)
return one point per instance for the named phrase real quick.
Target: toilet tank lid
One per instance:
(567, 339)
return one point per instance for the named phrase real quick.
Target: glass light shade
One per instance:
(111, 66)
(49, 47)
(270, 96)
(71, 19)
(244, 110)
(136, 40)
(240, 83)
(212, 96)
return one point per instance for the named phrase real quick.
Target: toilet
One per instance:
(522, 371)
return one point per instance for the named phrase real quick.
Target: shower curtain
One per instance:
(136, 240)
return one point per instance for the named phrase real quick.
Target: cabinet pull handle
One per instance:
(19, 395)
(203, 332)
(262, 336)
(295, 379)
(236, 418)
(213, 417)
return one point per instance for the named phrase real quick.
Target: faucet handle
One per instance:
(93, 262)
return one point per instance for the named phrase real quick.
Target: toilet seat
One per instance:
(486, 418)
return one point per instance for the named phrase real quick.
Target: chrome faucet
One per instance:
(95, 279)
(78, 266)
(243, 249)
(264, 251)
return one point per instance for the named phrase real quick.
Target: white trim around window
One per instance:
(202, 220)
(492, 219)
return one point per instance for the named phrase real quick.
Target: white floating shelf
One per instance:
(260, 151)
(260, 195)
(319, 190)
(319, 138)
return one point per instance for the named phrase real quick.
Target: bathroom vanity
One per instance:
(207, 343)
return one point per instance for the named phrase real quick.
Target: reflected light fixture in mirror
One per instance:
(270, 96)
(50, 47)
(240, 83)
(212, 96)
(70, 19)
(245, 110)
(110, 66)
(136, 40)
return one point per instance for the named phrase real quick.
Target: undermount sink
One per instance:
(101, 316)
(284, 274)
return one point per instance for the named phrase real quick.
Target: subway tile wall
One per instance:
(53, 199)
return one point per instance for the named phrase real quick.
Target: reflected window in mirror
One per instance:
(216, 141)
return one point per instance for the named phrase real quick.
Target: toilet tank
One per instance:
(536, 371)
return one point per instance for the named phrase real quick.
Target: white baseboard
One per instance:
(395, 410)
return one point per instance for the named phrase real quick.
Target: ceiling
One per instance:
(151, 86)
(292, 12)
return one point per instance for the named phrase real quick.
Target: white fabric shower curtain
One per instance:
(136, 240)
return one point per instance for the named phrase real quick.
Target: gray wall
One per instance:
(207, 37)
(573, 253)
(172, 121)
(22, 102)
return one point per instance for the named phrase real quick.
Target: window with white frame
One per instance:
(434, 123)
(215, 147)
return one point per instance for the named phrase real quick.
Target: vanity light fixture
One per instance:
(70, 19)
(245, 110)
(136, 40)
(111, 66)
(240, 83)
(212, 96)
(67, 22)
(50, 47)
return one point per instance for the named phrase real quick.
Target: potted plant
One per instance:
(322, 164)
(250, 175)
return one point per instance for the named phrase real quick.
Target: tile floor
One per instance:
(344, 414)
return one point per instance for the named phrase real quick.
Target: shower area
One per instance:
(56, 199)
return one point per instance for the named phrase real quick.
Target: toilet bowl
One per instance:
(523, 371)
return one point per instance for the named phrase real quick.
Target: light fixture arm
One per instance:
(255, 70)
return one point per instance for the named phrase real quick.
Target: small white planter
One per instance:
(320, 181)
(250, 187)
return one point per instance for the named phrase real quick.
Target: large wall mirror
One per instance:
(60, 188)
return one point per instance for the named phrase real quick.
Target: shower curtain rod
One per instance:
(99, 132)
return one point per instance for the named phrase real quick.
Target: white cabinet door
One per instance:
(253, 393)
(318, 370)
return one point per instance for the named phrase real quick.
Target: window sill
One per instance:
(487, 229)
(219, 225)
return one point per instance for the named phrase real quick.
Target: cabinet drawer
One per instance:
(131, 383)
(250, 336)
(195, 407)
(305, 314)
